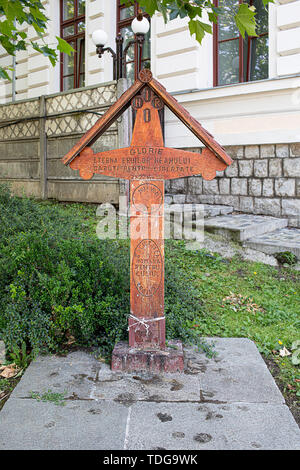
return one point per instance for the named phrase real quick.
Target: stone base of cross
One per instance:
(147, 164)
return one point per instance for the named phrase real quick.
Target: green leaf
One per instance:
(14, 10)
(150, 6)
(265, 2)
(50, 53)
(174, 13)
(46, 51)
(8, 46)
(245, 20)
(192, 12)
(37, 14)
(8, 8)
(3, 74)
(176, 10)
(163, 10)
(6, 27)
(64, 46)
(127, 3)
(199, 29)
(36, 47)
(21, 46)
(22, 34)
(213, 18)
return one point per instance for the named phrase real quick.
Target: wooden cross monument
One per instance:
(147, 163)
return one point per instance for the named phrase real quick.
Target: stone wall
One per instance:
(35, 134)
(263, 179)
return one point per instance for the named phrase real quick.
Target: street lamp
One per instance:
(140, 26)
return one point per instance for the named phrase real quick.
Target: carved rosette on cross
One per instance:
(147, 163)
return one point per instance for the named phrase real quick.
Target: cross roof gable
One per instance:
(145, 78)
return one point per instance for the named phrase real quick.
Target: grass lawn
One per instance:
(225, 297)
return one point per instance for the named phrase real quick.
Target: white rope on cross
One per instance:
(144, 322)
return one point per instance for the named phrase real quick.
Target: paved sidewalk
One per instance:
(230, 402)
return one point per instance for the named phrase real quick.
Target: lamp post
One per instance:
(140, 26)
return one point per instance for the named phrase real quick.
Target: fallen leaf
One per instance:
(284, 352)
(70, 338)
(101, 359)
(290, 387)
(9, 371)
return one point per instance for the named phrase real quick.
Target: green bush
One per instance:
(57, 279)
(286, 257)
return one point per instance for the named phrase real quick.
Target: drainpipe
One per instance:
(13, 83)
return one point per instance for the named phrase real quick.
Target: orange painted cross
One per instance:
(147, 163)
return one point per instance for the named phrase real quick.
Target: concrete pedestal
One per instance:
(127, 359)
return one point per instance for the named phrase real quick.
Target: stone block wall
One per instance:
(263, 179)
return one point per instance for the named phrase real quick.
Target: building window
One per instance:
(125, 15)
(237, 59)
(72, 29)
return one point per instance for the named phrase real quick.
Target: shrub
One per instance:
(286, 257)
(57, 280)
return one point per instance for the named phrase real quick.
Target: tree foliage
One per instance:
(15, 17)
(194, 9)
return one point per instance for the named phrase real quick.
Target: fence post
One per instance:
(43, 148)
